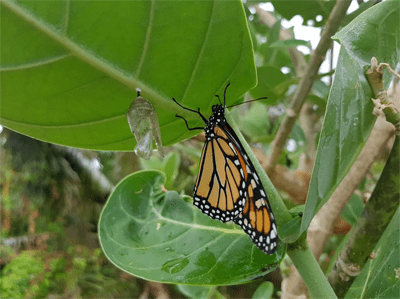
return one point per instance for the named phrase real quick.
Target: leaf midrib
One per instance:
(83, 54)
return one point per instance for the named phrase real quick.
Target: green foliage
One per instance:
(83, 79)
(168, 165)
(349, 118)
(158, 236)
(75, 83)
(353, 209)
(289, 43)
(380, 276)
(254, 123)
(264, 291)
(309, 10)
(17, 275)
(197, 292)
(271, 82)
(79, 271)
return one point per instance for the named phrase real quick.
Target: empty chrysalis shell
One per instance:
(143, 121)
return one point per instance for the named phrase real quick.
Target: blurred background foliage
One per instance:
(52, 196)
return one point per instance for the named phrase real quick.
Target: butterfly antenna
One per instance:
(229, 83)
(218, 99)
(248, 102)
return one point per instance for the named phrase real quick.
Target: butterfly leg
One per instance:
(187, 126)
(195, 111)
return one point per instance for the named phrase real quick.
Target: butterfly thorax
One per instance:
(216, 119)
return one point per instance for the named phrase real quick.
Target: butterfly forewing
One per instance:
(220, 189)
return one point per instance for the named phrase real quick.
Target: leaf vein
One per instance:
(146, 43)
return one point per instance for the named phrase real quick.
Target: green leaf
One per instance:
(168, 165)
(349, 119)
(69, 69)
(255, 123)
(158, 236)
(289, 43)
(353, 209)
(307, 9)
(273, 36)
(297, 134)
(264, 291)
(319, 102)
(269, 80)
(197, 292)
(380, 276)
(288, 232)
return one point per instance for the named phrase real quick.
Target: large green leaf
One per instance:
(380, 276)
(349, 119)
(69, 69)
(158, 236)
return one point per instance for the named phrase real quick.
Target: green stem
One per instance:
(309, 269)
(370, 226)
(299, 252)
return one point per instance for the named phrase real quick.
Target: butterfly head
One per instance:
(218, 109)
(217, 118)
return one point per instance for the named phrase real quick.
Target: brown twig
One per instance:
(305, 85)
(295, 183)
(159, 290)
(309, 121)
(382, 104)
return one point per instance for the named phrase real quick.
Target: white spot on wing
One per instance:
(253, 183)
(259, 203)
(233, 148)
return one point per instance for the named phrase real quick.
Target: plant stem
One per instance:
(299, 251)
(309, 269)
(376, 216)
(305, 85)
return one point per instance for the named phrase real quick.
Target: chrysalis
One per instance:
(143, 121)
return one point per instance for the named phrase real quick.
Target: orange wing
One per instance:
(221, 186)
(257, 219)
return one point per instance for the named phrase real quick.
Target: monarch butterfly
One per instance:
(227, 186)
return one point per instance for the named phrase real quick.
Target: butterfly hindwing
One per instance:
(257, 219)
